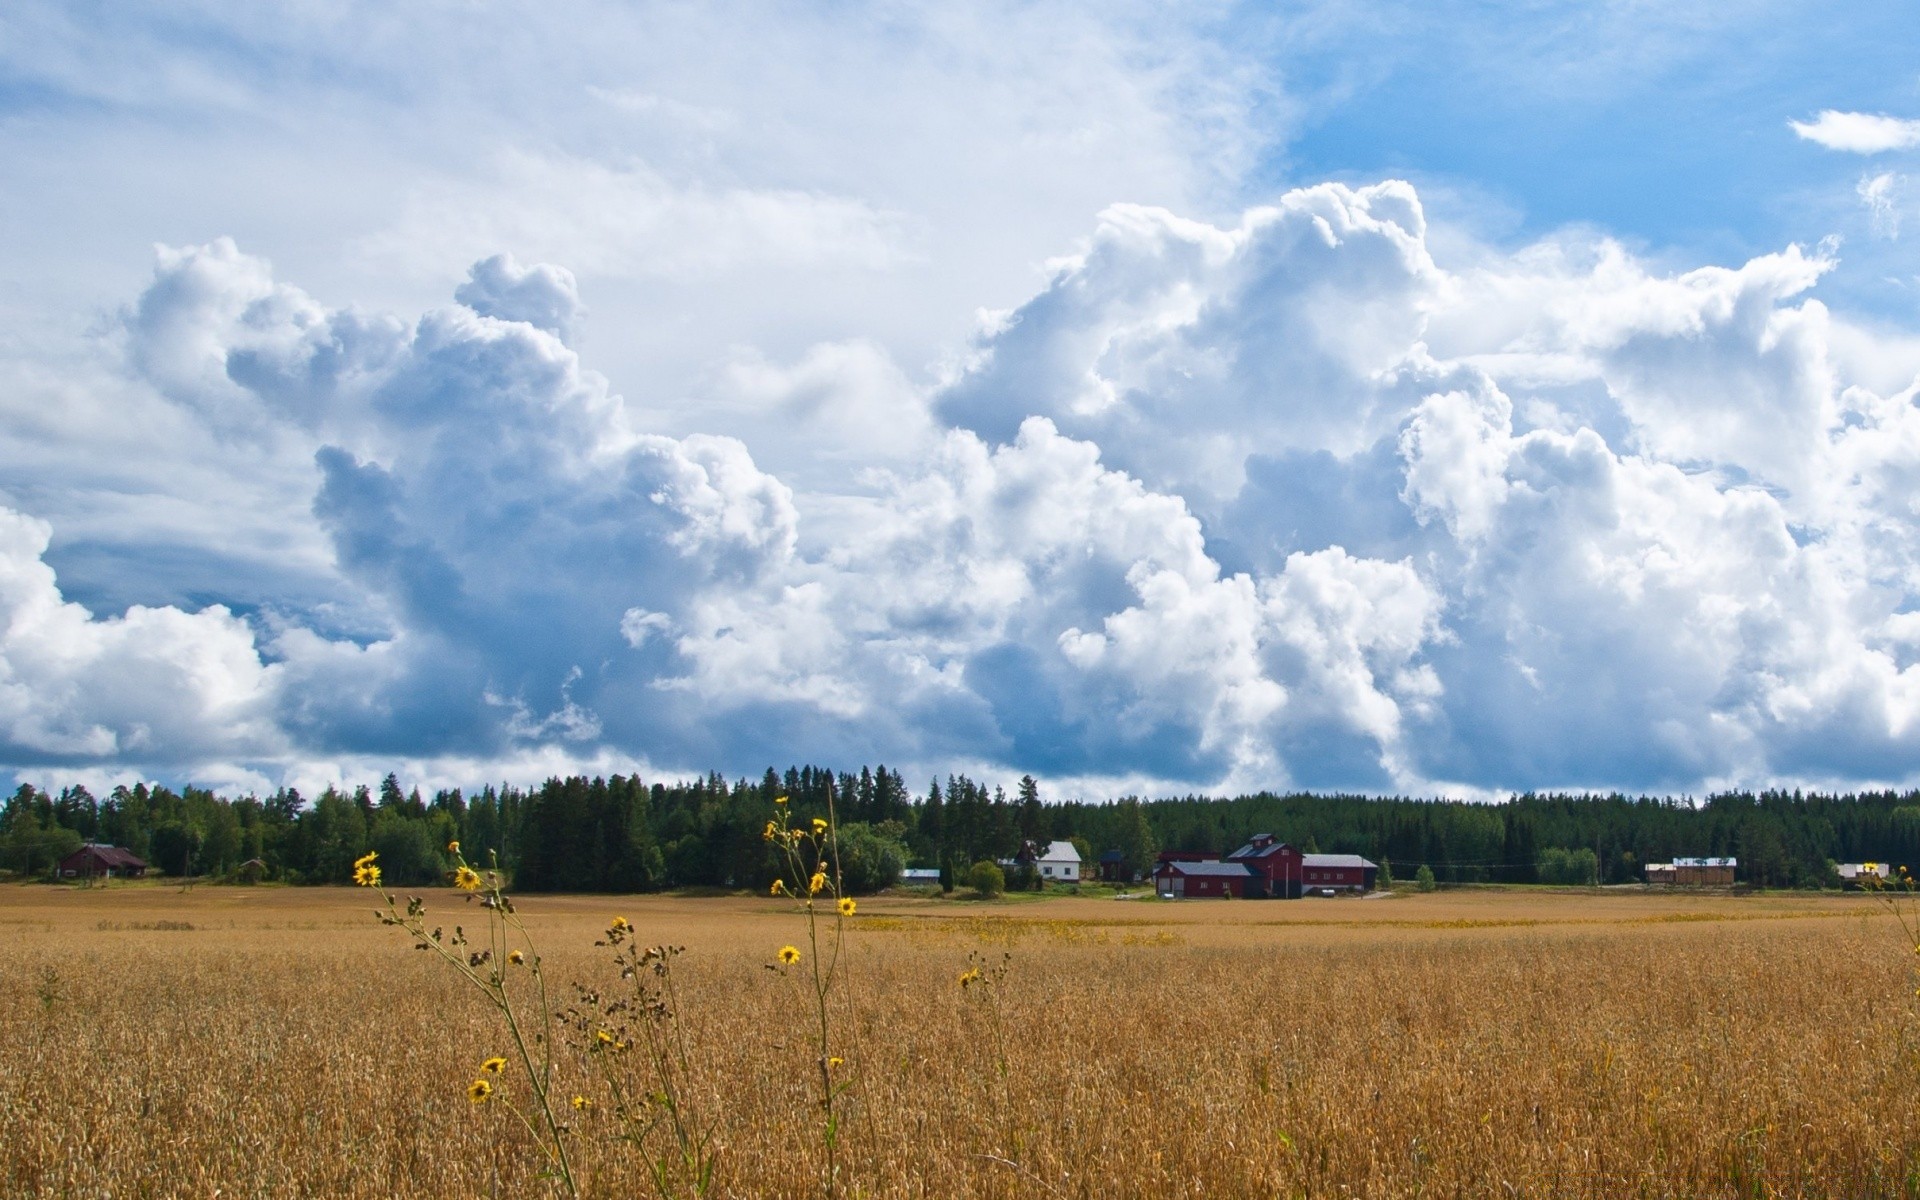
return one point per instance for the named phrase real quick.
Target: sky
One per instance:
(1340, 396)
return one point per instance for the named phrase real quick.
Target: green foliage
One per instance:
(619, 834)
(1574, 868)
(176, 848)
(986, 878)
(870, 859)
(1423, 878)
(409, 857)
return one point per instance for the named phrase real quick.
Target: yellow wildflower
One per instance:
(819, 826)
(779, 799)
(494, 1065)
(364, 872)
(779, 886)
(453, 847)
(582, 1104)
(620, 923)
(836, 1061)
(603, 1037)
(967, 977)
(789, 955)
(480, 1091)
(515, 958)
(466, 879)
(772, 831)
(818, 882)
(846, 906)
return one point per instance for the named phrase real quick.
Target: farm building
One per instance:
(920, 877)
(1182, 879)
(1274, 865)
(1341, 872)
(97, 861)
(1694, 872)
(1269, 868)
(1113, 867)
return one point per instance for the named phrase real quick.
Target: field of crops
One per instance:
(273, 1042)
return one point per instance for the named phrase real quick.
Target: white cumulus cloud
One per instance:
(1859, 133)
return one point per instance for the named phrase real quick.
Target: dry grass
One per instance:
(274, 1043)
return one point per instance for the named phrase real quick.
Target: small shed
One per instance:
(1113, 867)
(96, 860)
(920, 877)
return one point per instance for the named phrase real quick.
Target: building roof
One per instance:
(1209, 868)
(1113, 856)
(920, 874)
(1706, 862)
(1335, 860)
(112, 857)
(1060, 852)
(1262, 845)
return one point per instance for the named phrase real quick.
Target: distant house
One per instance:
(1694, 872)
(920, 877)
(97, 861)
(1862, 875)
(1113, 867)
(1182, 879)
(1059, 863)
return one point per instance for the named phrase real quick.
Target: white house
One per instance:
(1059, 863)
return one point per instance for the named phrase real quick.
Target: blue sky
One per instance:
(1335, 395)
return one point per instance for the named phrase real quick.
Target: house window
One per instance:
(1046, 870)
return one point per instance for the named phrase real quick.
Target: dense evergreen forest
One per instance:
(620, 834)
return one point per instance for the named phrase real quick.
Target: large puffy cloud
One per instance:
(1285, 502)
(151, 683)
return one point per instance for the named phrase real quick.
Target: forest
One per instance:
(620, 834)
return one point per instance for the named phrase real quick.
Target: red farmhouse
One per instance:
(96, 860)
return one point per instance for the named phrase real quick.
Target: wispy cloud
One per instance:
(1859, 133)
(1881, 194)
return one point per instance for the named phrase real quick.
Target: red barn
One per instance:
(1341, 872)
(1274, 865)
(1183, 878)
(95, 860)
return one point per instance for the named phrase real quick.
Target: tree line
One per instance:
(622, 834)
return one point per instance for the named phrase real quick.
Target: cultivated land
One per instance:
(276, 1042)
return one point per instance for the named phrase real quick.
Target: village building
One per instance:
(1113, 867)
(95, 860)
(1694, 872)
(1059, 863)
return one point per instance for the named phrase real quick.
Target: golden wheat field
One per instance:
(271, 1042)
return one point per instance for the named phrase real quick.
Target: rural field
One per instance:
(277, 1042)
